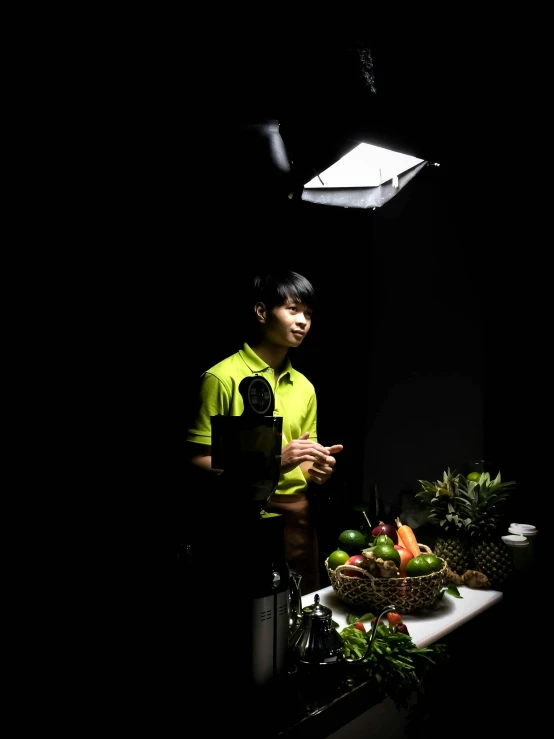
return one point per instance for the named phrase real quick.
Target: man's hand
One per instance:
(302, 450)
(320, 472)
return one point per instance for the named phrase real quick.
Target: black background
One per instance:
(444, 289)
(428, 305)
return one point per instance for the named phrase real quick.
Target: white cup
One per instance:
(519, 548)
(530, 533)
(525, 529)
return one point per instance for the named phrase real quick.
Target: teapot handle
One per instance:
(295, 600)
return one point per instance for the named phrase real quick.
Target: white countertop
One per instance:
(428, 625)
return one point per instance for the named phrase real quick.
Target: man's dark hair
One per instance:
(275, 288)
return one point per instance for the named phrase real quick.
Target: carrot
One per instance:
(401, 540)
(408, 537)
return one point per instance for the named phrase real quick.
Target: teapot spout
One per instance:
(374, 629)
(372, 635)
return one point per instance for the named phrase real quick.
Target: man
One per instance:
(282, 308)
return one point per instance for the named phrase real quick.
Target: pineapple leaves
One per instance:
(457, 504)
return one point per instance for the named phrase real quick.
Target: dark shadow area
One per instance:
(428, 348)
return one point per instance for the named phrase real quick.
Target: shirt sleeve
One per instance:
(311, 418)
(214, 399)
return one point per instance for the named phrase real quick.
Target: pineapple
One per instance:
(481, 502)
(446, 511)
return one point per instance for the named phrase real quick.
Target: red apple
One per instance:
(355, 559)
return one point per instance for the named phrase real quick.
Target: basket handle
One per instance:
(339, 568)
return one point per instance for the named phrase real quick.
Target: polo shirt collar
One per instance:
(257, 364)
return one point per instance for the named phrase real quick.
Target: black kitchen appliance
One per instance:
(248, 450)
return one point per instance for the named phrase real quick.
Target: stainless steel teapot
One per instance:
(313, 638)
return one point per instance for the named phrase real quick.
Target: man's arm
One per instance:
(300, 452)
(201, 457)
(320, 472)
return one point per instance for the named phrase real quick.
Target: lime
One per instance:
(435, 562)
(383, 539)
(338, 557)
(418, 566)
(352, 541)
(387, 551)
(474, 476)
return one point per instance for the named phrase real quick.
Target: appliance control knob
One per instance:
(276, 579)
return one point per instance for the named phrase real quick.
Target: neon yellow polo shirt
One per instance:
(295, 401)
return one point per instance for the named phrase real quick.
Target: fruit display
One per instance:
(468, 514)
(384, 558)
(386, 572)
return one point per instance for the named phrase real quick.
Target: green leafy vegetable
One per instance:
(351, 618)
(394, 661)
(453, 590)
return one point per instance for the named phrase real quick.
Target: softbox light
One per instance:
(367, 176)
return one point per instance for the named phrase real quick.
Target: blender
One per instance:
(248, 450)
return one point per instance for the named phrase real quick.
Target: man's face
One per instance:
(287, 325)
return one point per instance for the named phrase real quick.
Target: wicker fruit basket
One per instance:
(407, 594)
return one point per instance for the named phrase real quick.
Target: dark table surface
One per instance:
(490, 678)
(185, 671)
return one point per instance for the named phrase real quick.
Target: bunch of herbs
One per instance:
(394, 662)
